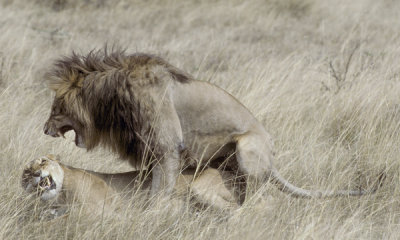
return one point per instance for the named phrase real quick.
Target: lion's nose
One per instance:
(49, 131)
(46, 128)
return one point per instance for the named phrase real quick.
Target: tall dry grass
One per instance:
(335, 121)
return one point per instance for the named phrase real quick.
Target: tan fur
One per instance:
(76, 186)
(101, 193)
(157, 116)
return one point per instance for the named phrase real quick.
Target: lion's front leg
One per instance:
(167, 147)
(165, 174)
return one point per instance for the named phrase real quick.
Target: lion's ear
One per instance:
(54, 157)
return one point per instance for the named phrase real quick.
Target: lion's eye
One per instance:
(56, 111)
(57, 107)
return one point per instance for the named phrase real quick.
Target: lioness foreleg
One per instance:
(210, 187)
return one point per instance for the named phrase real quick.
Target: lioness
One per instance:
(152, 113)
(100, 192)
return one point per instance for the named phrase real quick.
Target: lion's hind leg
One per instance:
(254, 155)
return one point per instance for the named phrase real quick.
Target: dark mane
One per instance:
(66, 71)
(103, 90)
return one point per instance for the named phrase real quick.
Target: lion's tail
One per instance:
(283, 185)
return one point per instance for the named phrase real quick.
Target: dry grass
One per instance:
(335, 121)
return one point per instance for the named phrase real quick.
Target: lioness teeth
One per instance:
(44, 183)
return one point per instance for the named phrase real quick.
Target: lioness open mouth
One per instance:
(46, 184)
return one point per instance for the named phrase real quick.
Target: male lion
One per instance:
(152, 113)
(101, 192)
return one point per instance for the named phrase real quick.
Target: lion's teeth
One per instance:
(60, 134)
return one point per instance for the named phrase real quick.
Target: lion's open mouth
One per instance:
(78, 138)
(65, 129)
(46, 184)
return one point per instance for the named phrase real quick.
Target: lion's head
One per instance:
(60, 122)
(43, 176)
(68, 111)
(95, 97)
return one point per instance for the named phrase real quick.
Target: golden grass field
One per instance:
(323, 77)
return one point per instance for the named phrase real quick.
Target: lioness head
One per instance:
(43, 176)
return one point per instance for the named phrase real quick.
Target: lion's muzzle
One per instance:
(57, 126)
(50, 129)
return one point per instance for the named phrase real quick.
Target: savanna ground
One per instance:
(322, 76)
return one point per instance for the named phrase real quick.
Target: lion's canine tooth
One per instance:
(60, 134)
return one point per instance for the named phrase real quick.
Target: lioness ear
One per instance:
(54, 157)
